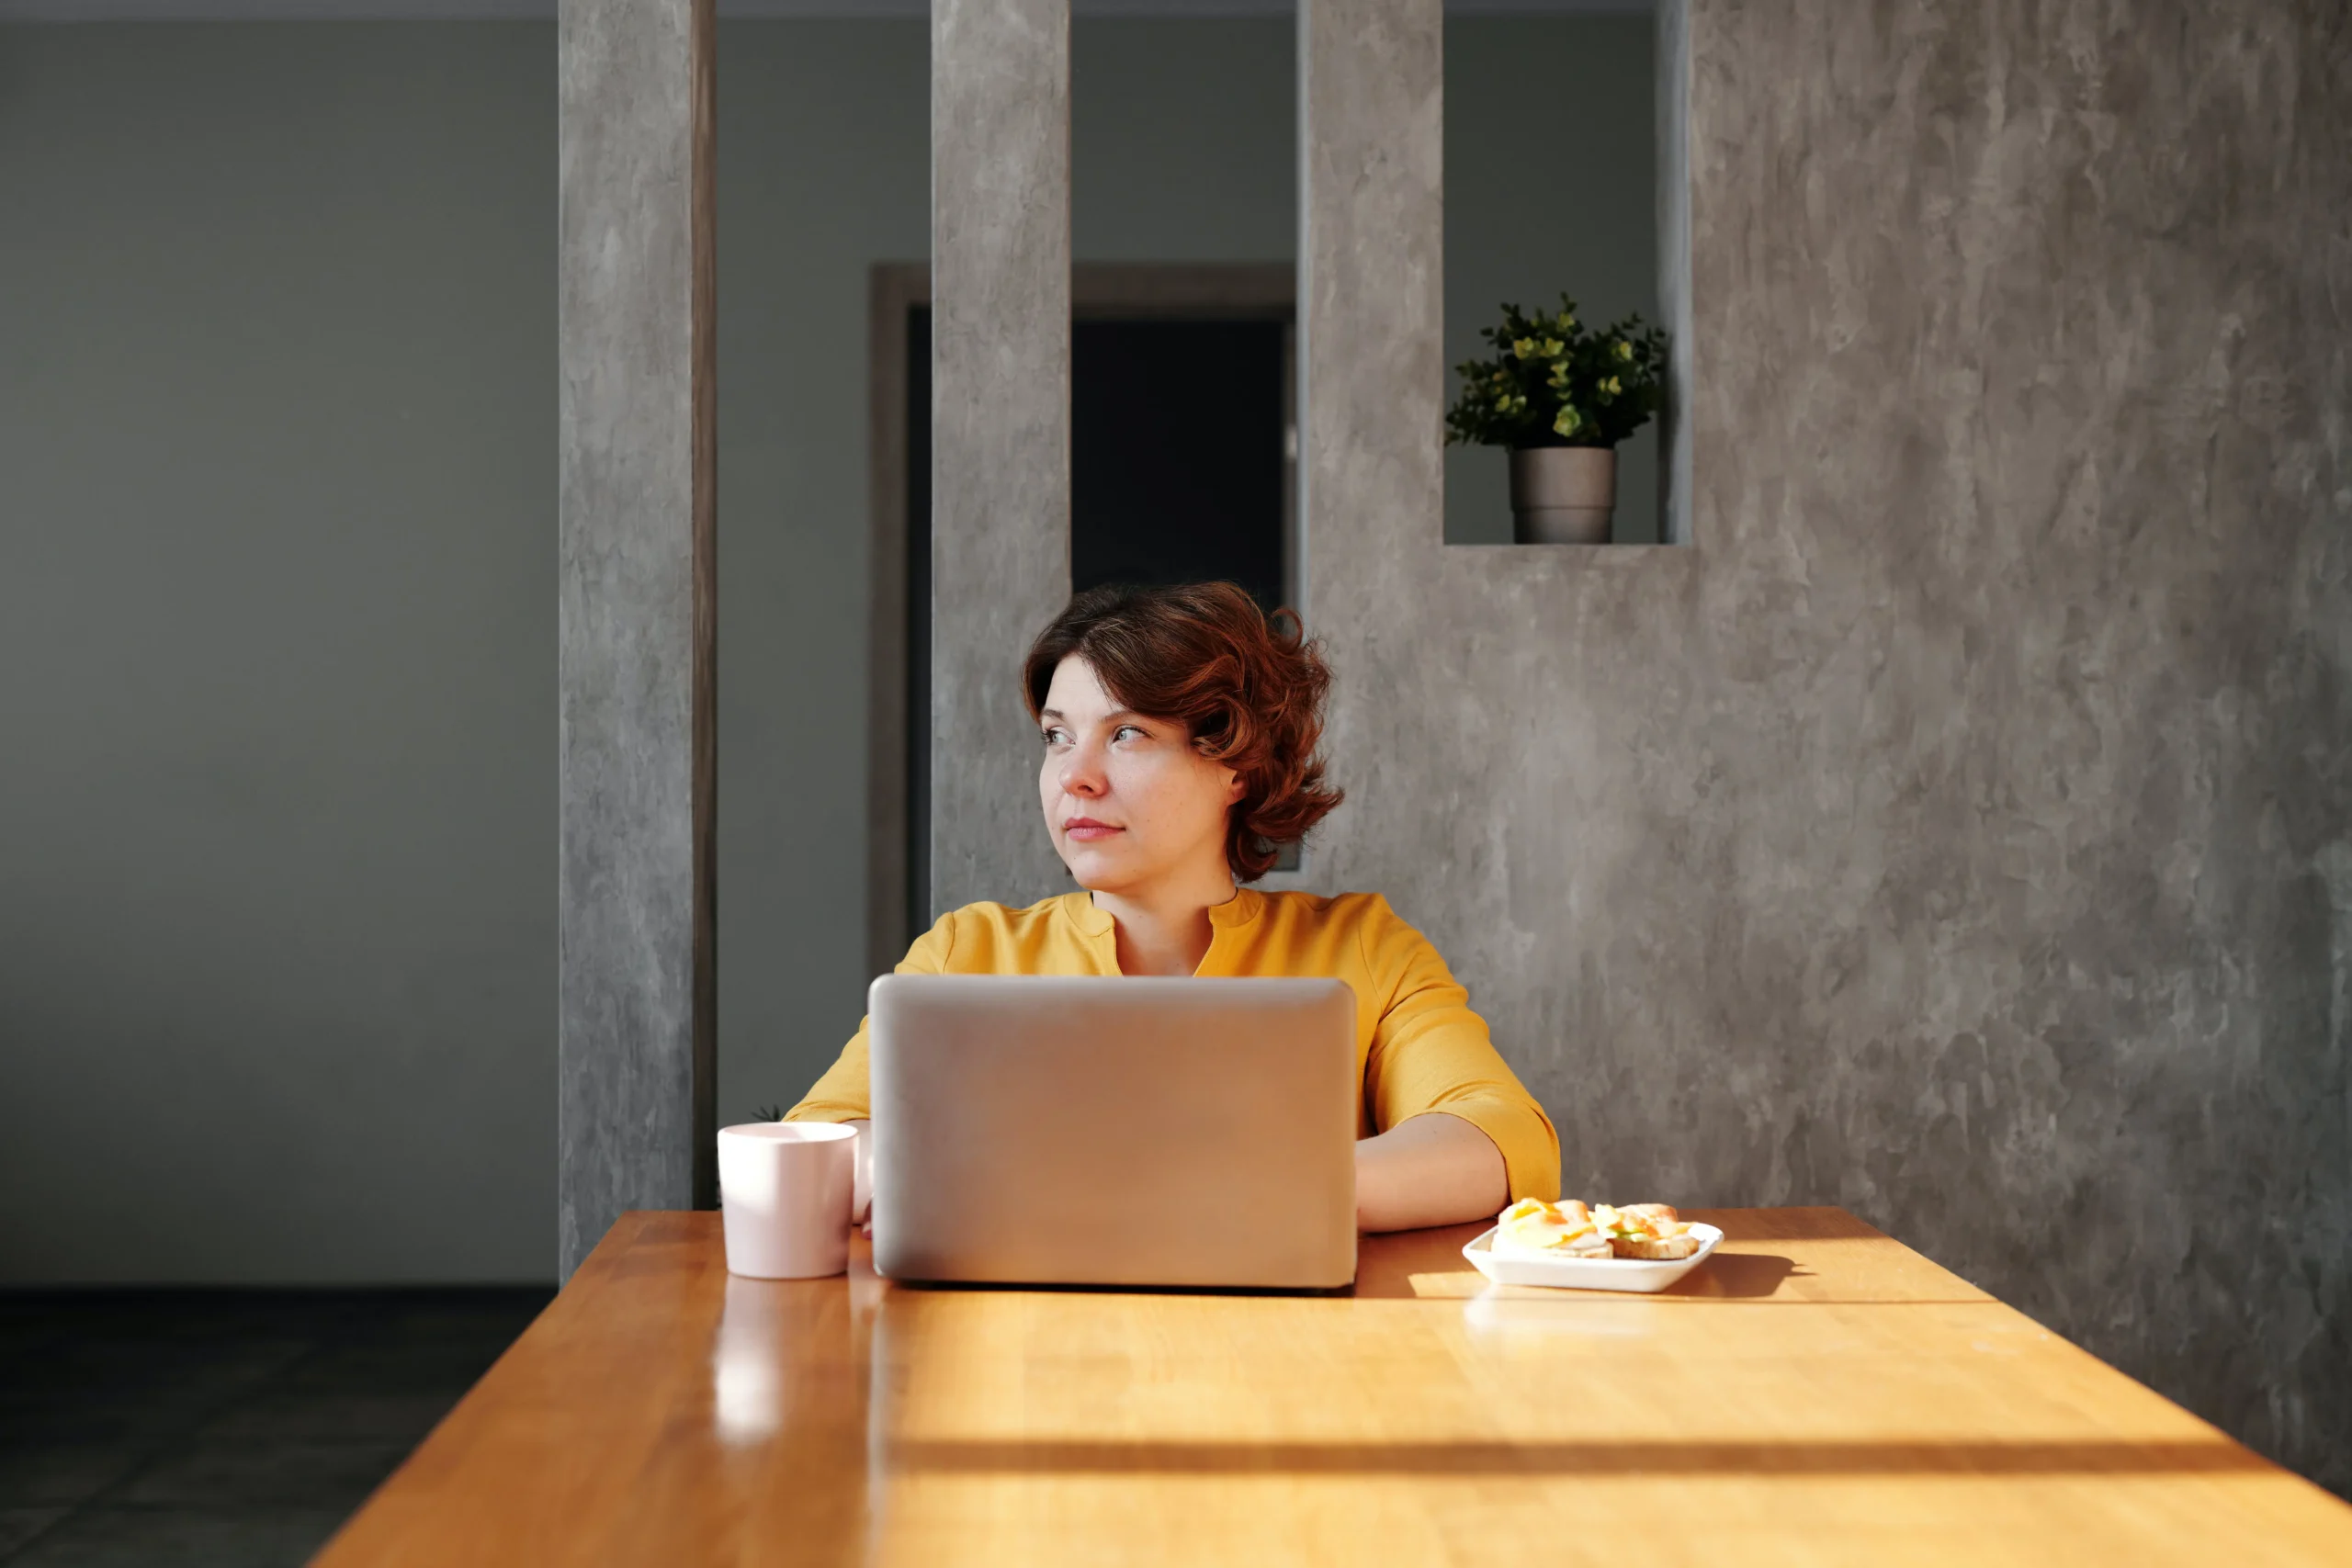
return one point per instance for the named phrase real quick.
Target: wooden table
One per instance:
(1815, 1393)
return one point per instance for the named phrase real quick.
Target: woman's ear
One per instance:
(1235, 788)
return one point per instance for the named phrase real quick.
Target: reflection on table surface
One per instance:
(1815, 1391)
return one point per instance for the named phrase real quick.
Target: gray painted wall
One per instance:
(278, 433)
(1958, 831)
(277, 571)
(824, 118)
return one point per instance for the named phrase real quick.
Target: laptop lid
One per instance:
(1106, 1131)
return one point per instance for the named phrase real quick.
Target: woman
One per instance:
(1179, 729)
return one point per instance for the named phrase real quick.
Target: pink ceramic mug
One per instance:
(784, 1190)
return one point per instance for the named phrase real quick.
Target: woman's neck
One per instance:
(1166, 930)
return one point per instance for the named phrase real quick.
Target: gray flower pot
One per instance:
(1562, 495)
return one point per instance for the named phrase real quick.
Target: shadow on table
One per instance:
(1736, 1274)
(1430, 1265)
(1891, 1457)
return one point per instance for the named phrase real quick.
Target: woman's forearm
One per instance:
(1432, 1170)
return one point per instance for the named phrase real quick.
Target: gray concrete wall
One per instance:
(1958, 831)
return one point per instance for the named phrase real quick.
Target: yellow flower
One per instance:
(1611, 387)
(1624, 352)
(1568, 421)
(1525, 348)
(1551, 347)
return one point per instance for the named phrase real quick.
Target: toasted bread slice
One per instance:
(1663, 1248)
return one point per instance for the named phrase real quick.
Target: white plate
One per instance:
(1588, 1273)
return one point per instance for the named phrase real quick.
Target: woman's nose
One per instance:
(1082, 772)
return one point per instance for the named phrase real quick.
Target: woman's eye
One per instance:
(1055, 738)
(1127, 729)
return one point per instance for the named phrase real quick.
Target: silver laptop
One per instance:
(1052, 1130)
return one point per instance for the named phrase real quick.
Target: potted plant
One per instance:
(1560, 395)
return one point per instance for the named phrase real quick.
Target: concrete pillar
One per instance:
(1000, 486)
(637, 987)
(1370, 292)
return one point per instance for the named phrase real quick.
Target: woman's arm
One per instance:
(1431, 1052)
(844, 1092)
(1432, 1170)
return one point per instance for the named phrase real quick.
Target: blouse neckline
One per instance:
(1246, 905)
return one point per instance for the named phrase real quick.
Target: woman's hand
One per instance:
(861, 1200)
(1431, 1170)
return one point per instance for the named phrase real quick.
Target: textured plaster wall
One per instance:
(1959, 832)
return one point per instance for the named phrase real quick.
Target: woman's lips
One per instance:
(1085, 829)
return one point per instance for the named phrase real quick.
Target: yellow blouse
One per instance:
(1419, 1047)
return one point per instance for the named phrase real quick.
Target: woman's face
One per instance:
(1128, 800)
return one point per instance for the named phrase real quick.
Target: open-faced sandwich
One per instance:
(1532, 1227)
(1646, 1230)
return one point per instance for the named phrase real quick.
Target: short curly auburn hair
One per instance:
(1246, 686)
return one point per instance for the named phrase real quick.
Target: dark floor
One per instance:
(233, 1427)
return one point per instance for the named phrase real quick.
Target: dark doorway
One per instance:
(1177, 460)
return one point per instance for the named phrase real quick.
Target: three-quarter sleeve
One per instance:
(845, 1092)
(1431, 1052)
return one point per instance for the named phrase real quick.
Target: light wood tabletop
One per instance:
(1815, 1392)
